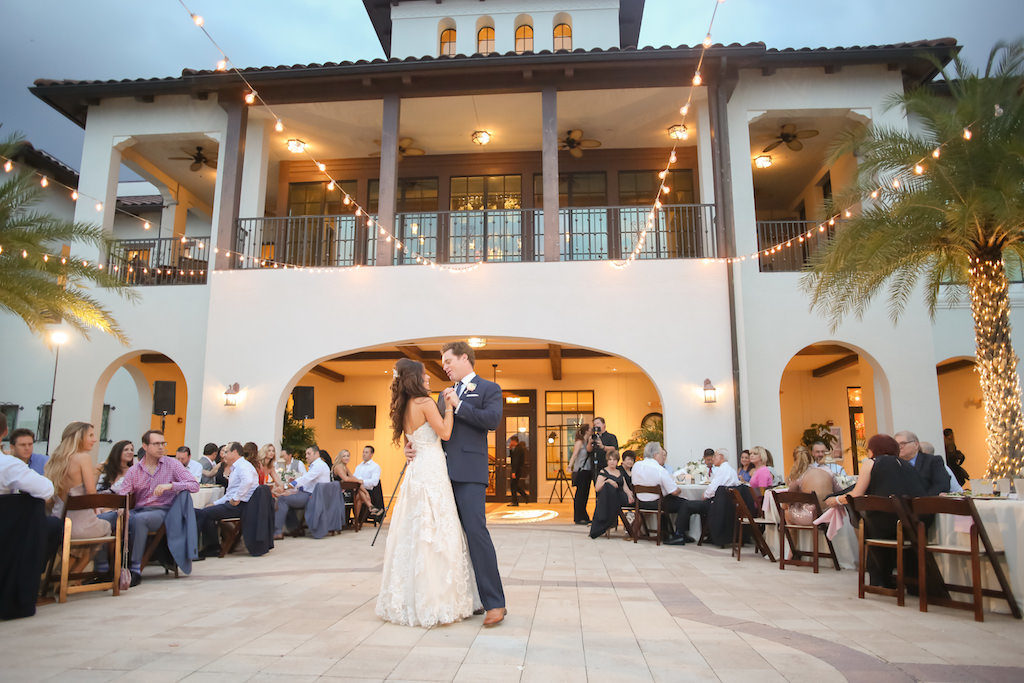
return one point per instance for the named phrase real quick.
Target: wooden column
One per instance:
(230, 177)
(387, 196)
(549, 156)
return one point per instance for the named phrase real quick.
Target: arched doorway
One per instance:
(836, 385)
(549, 388)
(963, 411)
(133, 393)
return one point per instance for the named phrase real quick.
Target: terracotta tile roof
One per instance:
(141, 201)
(47, 163)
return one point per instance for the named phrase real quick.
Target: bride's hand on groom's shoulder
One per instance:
(410, 451)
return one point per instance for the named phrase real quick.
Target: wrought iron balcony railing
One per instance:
(160, 260)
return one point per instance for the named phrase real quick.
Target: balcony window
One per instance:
(575, 189)
(314, 199)
(524, 39)
(485, 40)
(639, 188)
(414, 194)
(491, 193)
(563, 37)
(448, 42)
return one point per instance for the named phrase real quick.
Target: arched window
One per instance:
(485, 40)
(448, 42)
(524, 39)
(563, 37)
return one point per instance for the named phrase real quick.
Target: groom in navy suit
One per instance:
(477, 405)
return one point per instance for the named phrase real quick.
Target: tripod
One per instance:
(562, 483)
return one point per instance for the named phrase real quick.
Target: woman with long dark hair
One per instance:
(427, 578)
(122, 456)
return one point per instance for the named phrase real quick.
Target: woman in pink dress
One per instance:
(760, 476)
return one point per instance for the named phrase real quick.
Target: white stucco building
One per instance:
(265, 277)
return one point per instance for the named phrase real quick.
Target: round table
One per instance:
(206, 495)
(693, 492)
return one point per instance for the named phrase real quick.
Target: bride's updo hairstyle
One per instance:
(406, 385)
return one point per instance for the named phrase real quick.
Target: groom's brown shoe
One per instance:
(495, 616)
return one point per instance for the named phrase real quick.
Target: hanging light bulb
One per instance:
(44, 181)
(330, 186)
(250, 97)
(222, 65)
(279, 127)
(935, 153)
(146, 225)
(8, 166)
(874, 194)
(74, 195)
(707, 40)
(322, 167)
(967, 134)
(697, 80)
(918, 169)
(672, 158)
(685, 109)
(197, 20)
(346, 201)
(99, 206)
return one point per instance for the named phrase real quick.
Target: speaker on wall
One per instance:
(163, 398)
(302, 403)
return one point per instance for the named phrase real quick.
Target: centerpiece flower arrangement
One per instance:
(692, 472)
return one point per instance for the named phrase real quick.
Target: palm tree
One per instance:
(949, 209)
(37, 283)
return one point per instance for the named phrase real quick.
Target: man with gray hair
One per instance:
(722, 474)
(651, 472)
(954, 486)
(929, 467)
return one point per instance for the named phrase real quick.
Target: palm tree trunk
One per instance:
(997, 364)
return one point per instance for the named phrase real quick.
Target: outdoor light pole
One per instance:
(58, 338)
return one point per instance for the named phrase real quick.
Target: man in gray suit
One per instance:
(930, 467)
(477, 404)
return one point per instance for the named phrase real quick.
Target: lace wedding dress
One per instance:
(427, 579)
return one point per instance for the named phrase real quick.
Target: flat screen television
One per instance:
(357, 417)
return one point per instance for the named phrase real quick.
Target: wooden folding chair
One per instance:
(817, 531)
(156, 541)
(229, 530)
(640, 528)
(112, 543)
(860, 505)
(963, 507)
(357, 523)
(744, 518)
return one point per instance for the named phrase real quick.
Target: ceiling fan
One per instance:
(405, 149)
(575, 143)
(197, 158)
(791, 136)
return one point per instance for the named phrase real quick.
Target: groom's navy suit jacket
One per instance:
(466, 449)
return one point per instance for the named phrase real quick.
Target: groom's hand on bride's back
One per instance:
(410, 451)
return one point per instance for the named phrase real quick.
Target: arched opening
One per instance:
(838, 387)
(133, 393)
(446, 31)
(524, 36)
(548, 390)
(562, 37)
(963, 411)
(485, 35)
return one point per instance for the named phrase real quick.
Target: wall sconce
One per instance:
(231, 395)
(482, 137)
(551, 437)
(710, 393)
(763, 161)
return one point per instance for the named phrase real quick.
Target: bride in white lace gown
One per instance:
(427, 578)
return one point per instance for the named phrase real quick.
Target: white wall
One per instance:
(415, 33)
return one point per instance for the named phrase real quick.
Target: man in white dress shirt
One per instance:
(241, 483)
(722, 474)
(296, 496)
(184, 456)
(651, 472)
(369, 472)
(17, 477)
(818, 451)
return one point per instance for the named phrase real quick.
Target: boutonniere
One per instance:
(470, 387)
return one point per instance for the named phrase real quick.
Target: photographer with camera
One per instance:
(602, 443)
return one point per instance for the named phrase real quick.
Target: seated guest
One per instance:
(929, 467)
(612, 493)
(113, 469)
(722, 474)
(184, 456)
(251, 452)
(955, 457)
(221, 477)
(743, 471)
(760, 475)
(628, 460)
(211, 465)
(23, 442)
(72, 472)
(297, 495)
(242, 482)
(818, 452)
(360, 498)
(709, 457)
(267, 471)
(293, 467)
(326, 457)
(804, 477)
(155, 480)
(884, 474)
(954, 484)
(368, 472)
(651, 472)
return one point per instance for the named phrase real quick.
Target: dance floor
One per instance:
(579, 609)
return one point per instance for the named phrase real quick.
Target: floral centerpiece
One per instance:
(692, 472)
(846, 480)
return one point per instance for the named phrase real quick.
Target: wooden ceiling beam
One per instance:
(328, 373)
(953, 366)
(836, 365)
(432, 366)
(555, 354)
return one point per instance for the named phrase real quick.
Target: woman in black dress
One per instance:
(612, 493)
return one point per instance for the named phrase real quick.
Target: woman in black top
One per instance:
(612, 493)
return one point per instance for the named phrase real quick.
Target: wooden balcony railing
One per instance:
(160, 260)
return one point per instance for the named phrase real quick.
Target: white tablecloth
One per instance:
(1003, 520)
(845, 542)
(206, 495)
(693, 492)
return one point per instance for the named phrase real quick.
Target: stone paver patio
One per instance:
(579, 609)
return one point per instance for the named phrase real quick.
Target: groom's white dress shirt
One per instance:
(369, 472)
(318, 473)
(462, 388)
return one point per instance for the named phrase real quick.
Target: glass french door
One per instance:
(519, 418)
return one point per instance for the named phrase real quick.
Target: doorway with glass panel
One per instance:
(486, 218)
(519, 418)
